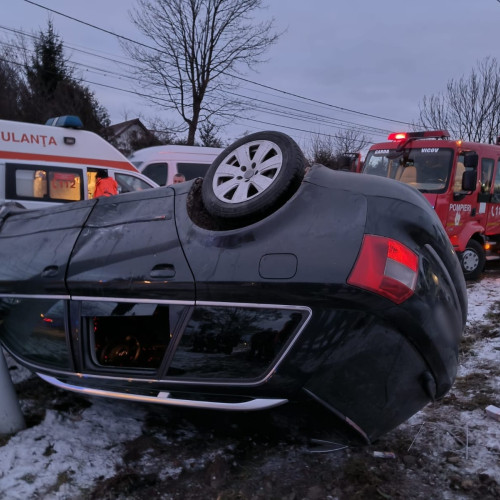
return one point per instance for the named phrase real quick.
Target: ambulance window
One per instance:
(128, 183)
(486, 174)
(25, 182)
(65, 186)
(158, 172)
(31, 183)
(496, 190)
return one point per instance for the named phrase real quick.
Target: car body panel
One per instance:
(31, 262)
(129, 249)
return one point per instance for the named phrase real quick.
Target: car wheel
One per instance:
(473, 259)
(253, 177)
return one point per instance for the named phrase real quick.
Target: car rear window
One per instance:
(35, 329)
(233, 342)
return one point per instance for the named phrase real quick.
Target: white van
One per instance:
(43, 165)
(161, 163)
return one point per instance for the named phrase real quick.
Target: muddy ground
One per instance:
(448, 450)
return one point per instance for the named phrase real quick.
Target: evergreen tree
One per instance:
(53, 90)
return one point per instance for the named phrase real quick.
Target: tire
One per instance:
(472, 260)
(253, 177)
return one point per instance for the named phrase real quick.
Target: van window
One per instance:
(157, 172)
(192, 170)
(32, 182)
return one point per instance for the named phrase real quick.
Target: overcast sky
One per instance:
(374, 57)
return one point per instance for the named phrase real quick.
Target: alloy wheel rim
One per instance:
(247, 172)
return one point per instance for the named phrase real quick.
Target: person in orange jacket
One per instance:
(105, 186)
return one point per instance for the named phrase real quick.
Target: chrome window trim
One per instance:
(135, 301)
(29, 296)
(187, 382)
(97, 299)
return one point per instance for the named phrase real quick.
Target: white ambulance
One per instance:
(43, 165)
(161, 163)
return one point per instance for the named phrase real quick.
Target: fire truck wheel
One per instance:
(473, 260)
(253, 176)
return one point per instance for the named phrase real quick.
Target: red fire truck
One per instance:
(461, 180)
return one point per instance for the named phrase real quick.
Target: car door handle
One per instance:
(50, 271)
(163, 271)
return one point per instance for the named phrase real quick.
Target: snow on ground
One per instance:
(67, 452)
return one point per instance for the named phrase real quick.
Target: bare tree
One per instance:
(322, 150)
(470, 107)
(350, 140)
(329, 150)
(196, 45)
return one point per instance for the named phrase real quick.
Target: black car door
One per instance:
(129, 249)
(35, 246)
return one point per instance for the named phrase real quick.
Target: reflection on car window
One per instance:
(233, 342)
(35, 330)
(124, 334)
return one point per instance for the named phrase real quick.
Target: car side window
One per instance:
(128, 334)
(35, 329)
(233, 342)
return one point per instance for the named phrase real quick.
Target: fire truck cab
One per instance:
(44, 165)
(461, 180)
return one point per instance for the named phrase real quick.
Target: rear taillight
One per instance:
(387, 267)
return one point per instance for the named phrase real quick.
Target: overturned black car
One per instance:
(264, 283)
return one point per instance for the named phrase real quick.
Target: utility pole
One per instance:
(11, 417)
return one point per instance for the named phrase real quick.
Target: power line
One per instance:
(289, 112)
(109, 32)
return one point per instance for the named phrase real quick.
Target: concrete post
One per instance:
(11, 417)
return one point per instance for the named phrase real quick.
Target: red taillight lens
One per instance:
(387, 267)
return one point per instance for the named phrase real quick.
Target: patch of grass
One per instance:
(63, 477)
(493, 313)
(28, 478)
(49, 450)
(473, 334)
(472, 381)
(4, 439)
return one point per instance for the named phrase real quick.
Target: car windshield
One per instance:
(427, 169)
